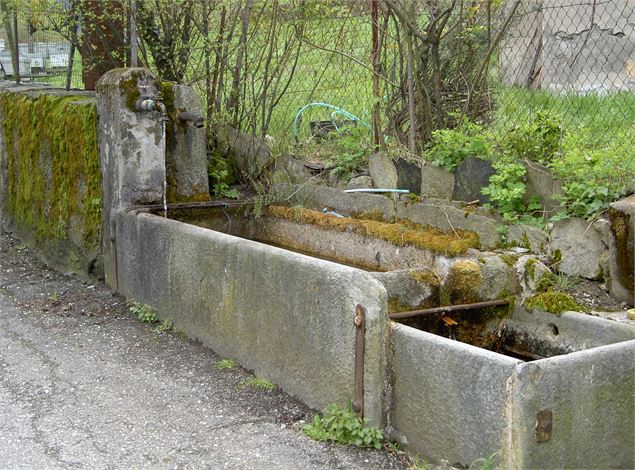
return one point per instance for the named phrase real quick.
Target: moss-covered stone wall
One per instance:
(51, 180)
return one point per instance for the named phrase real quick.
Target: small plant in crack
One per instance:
(164, 326)
(144, 312)
(226, 364)
(260, 383)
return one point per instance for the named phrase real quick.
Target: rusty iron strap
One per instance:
(448, 309)
(358, 390)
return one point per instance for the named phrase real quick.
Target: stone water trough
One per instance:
(279, 292)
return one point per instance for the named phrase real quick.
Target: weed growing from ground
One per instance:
(259, 383)
(342, 425)
(417, 463)
(226, 364)
(485, 463)
(166, 325)
(144, 312)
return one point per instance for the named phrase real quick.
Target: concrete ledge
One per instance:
(287, 316)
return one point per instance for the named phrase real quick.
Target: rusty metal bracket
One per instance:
(544, 425)
(358, 389)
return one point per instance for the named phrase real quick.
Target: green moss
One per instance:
(557, 257)
(530, 268)
(166, 90)
(399, 233)
(525, 243)
(425, 276)
(464, 278)
(509, 260)
(54, 176)
(619, 224)
(130, 89)
(554, 302)
(375, 214)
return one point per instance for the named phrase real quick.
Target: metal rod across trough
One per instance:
(449, 308)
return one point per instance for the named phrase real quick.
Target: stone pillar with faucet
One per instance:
(132, 149)
(186, 156)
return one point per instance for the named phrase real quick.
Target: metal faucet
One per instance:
(196, 119)
(149, 103)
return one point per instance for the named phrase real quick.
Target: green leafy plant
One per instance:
(537, 140)
(144, 312)
(449, 147)
(260, 383)
(507, 189)
(226, 364)
(586, 199)
(342, 425)
(350, 149)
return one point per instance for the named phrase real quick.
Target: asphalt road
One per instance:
(84, 384)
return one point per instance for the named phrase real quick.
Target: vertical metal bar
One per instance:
(358, 389)
(16, 38)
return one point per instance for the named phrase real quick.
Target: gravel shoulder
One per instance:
(84, 384)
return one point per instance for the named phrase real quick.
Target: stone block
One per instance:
(383, 171)
(185, 153)
(470, 177)
(360, 182)
(528, 236)
(408, 175)
(447, 217)
(410, 289)
(436, 182)
(541, 184)
(287, 316)
(318, 197)
(577, 247)
(249, 154)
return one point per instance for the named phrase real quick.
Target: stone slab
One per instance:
(436, 182)
(472, 175)
(447, 217)
(579, 248)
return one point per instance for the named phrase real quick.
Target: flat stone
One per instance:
(498, 278)
(249, 154)
(541, 184)
(318, 197)
(470, 177)
(528, 236)
(408, 175)
(360, 182)
(410, 289)
(298, 173)
(579, 248)
(436, 182)
(530, 271)
(447, 217)
(383, 171)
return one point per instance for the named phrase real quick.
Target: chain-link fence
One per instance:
(546, 80)
(35, 45)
